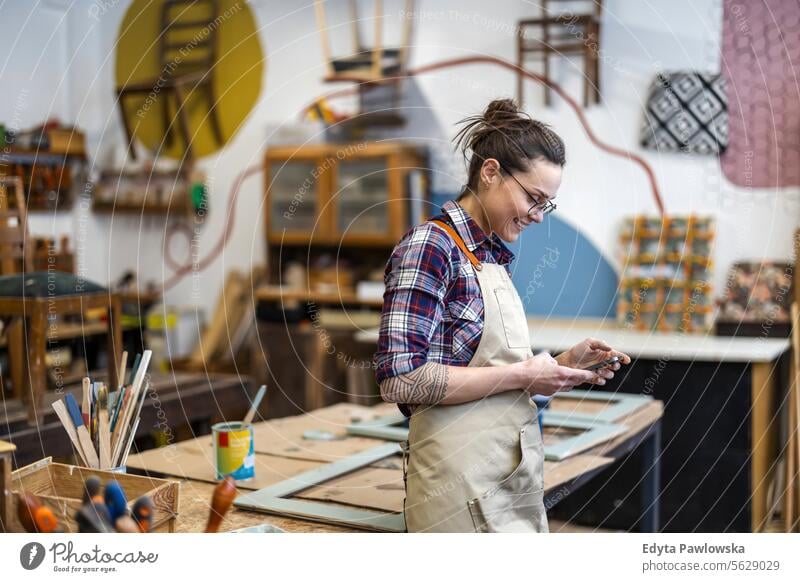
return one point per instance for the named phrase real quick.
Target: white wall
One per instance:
(639, 40)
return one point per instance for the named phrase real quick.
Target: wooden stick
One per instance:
(138, 416)
(130, 443)
(83, 434)
(122, 364)
(63, 416)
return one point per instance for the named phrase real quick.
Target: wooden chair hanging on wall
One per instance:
(378, 69)
(186, 67)
(562, 33)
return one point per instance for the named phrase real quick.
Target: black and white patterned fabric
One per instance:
(686, 112)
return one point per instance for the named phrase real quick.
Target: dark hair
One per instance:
(508, 135)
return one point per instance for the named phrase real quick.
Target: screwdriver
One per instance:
(35, 517)
(143, 513)
(115, 501)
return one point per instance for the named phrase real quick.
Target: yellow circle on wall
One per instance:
(216, 55)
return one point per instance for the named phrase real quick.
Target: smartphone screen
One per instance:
(601, 365)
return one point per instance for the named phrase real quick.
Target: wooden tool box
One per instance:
(60, 487)
(6, 452)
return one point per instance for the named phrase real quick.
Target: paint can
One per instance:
(234, 450)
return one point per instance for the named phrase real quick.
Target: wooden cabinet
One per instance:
(350, 194)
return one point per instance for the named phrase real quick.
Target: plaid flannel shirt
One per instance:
(432, 307)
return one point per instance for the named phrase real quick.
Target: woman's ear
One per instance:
(490, 171)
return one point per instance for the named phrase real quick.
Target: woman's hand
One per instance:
(542, 374)
(591, 351)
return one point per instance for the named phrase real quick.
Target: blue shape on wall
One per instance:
(558, 272)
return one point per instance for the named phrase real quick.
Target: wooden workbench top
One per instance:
(283, 452)
(557, 335)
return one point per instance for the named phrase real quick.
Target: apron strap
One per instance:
(460, 242)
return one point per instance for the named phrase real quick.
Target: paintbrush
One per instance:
(103, 436)
(254, 407)
(135, 367)
(137, 417)
(86, 403)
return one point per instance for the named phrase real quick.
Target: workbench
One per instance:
(281, 452)
(723, 401)
(722, 421)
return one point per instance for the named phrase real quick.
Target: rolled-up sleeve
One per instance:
(416, 280)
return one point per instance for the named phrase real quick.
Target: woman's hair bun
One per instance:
(509, 135)
(501, 111)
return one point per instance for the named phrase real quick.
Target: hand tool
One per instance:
(35, 517)
(143, 513)
(103, 436)
(115, 501)
(221, 501)
(91, 490)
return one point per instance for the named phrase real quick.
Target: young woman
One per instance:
(454, 349)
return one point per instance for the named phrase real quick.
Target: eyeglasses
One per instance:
(546, 207)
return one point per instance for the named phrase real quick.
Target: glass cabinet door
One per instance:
(293, 196)
(362, 197)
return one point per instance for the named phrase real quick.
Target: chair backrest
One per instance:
(372, 52)
(188, 36)
(15, 256)
(555, 8)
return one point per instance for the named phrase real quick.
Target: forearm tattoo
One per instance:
(425, 385)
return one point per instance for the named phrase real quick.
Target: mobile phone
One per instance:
(601, 365)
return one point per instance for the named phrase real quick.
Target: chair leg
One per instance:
(213, 113)
(121, 95)
(588, 92)
(37, 346)
(596, 65)
(16, 356)
(183, 120)
(165, 119)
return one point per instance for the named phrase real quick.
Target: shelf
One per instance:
(16, 156)
(128, 208)
(281, 294)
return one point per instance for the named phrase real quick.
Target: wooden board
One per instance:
(195, 460)
(283, 437)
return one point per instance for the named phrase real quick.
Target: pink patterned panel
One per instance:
(761, 60)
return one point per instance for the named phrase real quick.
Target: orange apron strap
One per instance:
(460, 242)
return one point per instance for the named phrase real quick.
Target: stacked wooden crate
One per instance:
(667, 268)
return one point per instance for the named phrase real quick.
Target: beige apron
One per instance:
(479, 466)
